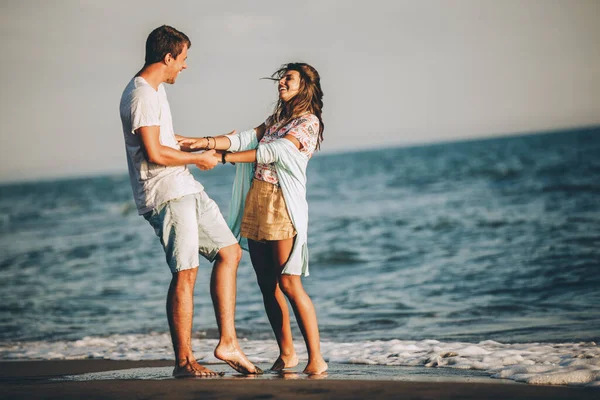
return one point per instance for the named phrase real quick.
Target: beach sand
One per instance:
(105, 379)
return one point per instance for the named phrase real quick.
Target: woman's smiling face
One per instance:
(289, 85)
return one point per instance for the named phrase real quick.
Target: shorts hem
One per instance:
(293, 273)
(175, 270)
(212, 256)
(267, 238)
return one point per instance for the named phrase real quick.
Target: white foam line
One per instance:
(533, 363)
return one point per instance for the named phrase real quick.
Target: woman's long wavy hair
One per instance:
(309, 98)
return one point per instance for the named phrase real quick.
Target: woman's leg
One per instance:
(291, 285)
(275, 303)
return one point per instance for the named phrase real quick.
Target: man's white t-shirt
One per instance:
(152, 184)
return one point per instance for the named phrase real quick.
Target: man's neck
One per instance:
(153, 74)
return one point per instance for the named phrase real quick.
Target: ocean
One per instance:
(480, 254)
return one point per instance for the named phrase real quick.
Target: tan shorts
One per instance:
(265, 214)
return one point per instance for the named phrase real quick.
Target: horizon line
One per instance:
(337, 152)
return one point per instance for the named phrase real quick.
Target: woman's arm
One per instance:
(221, 142)
(260, 131)
(204, 143)
(248, 156)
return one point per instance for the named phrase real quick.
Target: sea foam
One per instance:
(533, 363)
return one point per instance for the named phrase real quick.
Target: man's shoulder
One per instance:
(142, 89)
(138, 96)
(138, 88)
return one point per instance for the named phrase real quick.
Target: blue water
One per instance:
(494, 239)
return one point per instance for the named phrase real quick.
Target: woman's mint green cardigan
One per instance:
(290, 165)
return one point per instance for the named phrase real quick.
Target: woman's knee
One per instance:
(267, 285)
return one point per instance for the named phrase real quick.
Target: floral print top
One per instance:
(305, 129)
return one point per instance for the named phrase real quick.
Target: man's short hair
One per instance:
(164, 40)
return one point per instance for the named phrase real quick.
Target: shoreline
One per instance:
(103, 379)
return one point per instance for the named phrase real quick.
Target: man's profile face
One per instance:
(177, 65)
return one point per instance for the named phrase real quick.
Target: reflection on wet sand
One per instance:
(293, 375)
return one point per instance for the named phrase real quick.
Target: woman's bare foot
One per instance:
(285, 362)
(315, 367)
(236, 359)
(191, 369)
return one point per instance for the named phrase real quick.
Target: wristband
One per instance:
(223, 158)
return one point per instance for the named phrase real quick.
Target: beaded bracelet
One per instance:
(208, 142)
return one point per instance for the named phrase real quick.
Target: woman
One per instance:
(269, 207)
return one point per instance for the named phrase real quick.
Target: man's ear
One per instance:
(168, 58)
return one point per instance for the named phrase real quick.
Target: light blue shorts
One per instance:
(189, 226)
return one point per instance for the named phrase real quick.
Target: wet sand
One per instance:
(105, 379)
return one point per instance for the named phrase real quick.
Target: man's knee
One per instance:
(230, 254)
(185, 277)
(290, 284)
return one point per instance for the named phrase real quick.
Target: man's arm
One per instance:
(163, 155)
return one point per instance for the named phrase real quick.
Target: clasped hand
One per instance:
(207, 160)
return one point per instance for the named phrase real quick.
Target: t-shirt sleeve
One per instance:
(305, 131)
(145, 109)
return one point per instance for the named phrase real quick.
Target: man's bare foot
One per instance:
(315, 367)
(285, 362)
(236, 359)
(191, 369)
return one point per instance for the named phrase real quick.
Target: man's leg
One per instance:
(223, 292)
(176, 225)
(180, 313)
(216, 242)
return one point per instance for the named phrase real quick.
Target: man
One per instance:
(185, 219)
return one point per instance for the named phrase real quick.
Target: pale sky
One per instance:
(393, 72)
